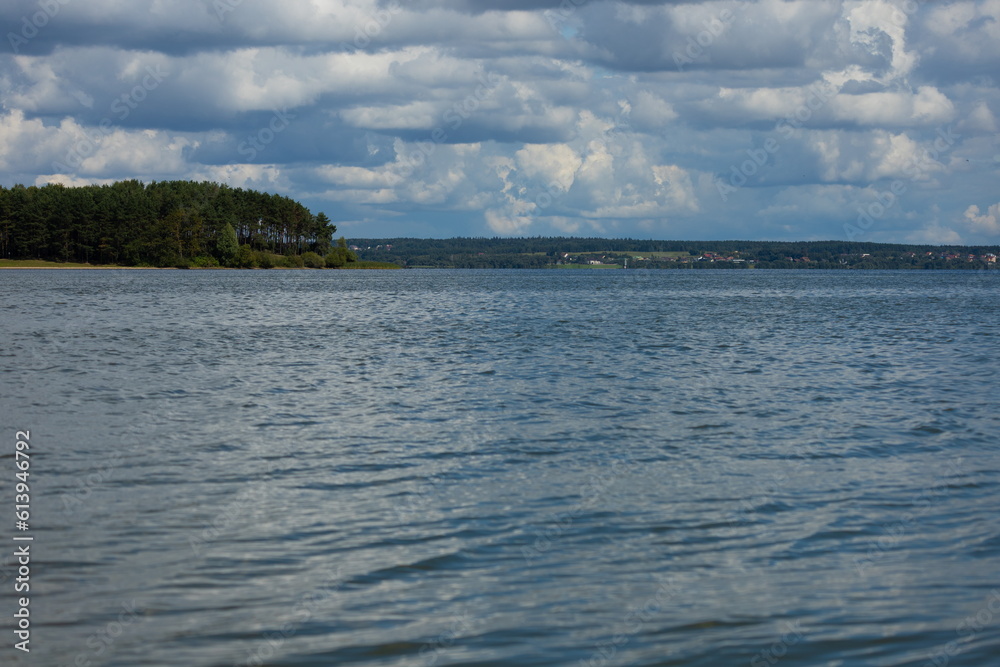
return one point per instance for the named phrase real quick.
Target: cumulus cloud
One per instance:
(879, 28)
(555, 165)
(100, 153)
(935, 233)
(926, 106)
(987, 223)
(521, 116)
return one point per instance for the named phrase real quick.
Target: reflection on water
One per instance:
(507, 467)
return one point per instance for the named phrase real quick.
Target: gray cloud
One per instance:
(768, 119)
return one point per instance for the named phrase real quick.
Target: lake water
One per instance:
(420, 468)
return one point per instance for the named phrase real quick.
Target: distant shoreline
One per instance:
(200, 268)
(56, 266)
(89, 268)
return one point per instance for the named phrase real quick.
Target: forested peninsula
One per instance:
(180, 224)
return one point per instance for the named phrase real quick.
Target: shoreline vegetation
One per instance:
(206, 225)
(16, 264)
(168, 224)
(885, 257)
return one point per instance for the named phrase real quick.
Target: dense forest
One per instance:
(170, 223)
(571, 252)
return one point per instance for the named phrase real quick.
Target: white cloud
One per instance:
(25, 144)
(674, 188)
(934, 234)
(928, 106)
(986, 223)
(71, 181)
(873, 156)
(873, 20)
(412, 116)
(587, 125)
(553, 165)
(651, 112)
(262, 176)
(95, 152)
(980, 119)
(507, 224)
(897, 156)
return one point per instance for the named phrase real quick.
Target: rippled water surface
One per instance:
(420, 468)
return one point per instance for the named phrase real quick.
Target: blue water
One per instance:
(420, 468)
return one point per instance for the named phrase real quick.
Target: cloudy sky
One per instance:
(777, 119)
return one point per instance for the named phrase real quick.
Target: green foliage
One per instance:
(159, 223)
(179, 223)
(228, 244)
(534, 253)
(324, 232)
(265, 260)
(343, 255)
(204, 262)
(312, 261)
(293, 261)
(337, 258)
(245, 258)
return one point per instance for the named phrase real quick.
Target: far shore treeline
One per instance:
(169, 223)
(603, 253)
(190, 224)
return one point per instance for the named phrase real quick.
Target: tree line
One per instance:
(167, 223)
(546, 252)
